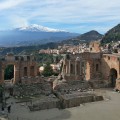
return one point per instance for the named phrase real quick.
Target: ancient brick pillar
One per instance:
(16, 74)
(28, 71)
(1, 76)
(69, 67)
(91, 69)
(75, 67)
(35, 70)
(87, 71)
(80, 69)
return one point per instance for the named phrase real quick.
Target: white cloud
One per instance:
(76, 10)
(62, 11)
(10, 3)
(17, 21)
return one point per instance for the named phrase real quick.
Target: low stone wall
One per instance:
(37, 79)
(46, 103)
(99, 83)
(27, 90)
(70, 85)
(30, 80)
(74, 77)
(64, 101)
(73, 100)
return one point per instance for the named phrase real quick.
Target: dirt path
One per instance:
(104, 110)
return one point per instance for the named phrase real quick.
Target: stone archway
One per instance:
(9, 72)
(113, 77)
(11, 78)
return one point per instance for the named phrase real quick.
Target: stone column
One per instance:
(35, 70)
(75, 67)
(69, 67)
(16, 74)
(2, 76)
(80, 69)
(91, 69)
(28, 70)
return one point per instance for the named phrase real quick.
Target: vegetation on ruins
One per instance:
(112, 35)
(48, 71)
(44, 58)
(9, 72)
(47, 58)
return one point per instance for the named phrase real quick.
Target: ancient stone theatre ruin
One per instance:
(24, 66)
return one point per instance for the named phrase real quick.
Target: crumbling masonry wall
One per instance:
(24, 66)
(84, 66)
(93, 67)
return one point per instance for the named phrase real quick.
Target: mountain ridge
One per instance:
(112, 35)
(89, 36)
(52, 45)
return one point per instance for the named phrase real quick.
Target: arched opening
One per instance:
(71, 69)
(25, 71)
(97, 67)
(113, 77)
(9, 72)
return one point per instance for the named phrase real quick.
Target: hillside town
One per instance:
(113, 47)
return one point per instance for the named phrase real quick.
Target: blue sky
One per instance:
(72, 15)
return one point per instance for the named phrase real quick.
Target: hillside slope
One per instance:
(112, 35)
(86, 37)
(90, 36)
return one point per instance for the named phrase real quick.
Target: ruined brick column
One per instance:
(69, 67)
(35, 70)
(16, 74)
(75, 67)
(2, 76)
(91, 72)
(64, 70)
(87, 71)
(80, 69)
(28, 71)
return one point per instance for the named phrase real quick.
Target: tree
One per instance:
(48, 71)
(9, 72)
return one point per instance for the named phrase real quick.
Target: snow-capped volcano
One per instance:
(33, 35)
(38, 28)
